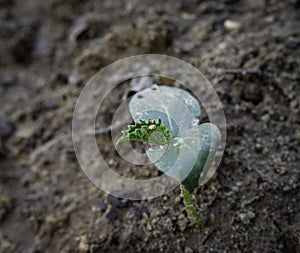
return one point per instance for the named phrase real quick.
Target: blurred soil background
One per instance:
(249, 50)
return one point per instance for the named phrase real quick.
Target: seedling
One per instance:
(168, 120)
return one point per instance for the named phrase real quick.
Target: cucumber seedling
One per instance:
(168, 119)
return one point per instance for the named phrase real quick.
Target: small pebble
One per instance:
(93, 190)
(188, 250)
(28, 130)
(188, 16)
(55, 221)
(149, 227)
(246, 217)
(293, 104)
(235, 188)
(232, 25)
(111, 162)
(239, 183)
(95, 209)
(269, 20)
(266, 118)
(212, 219)
(103, 237)
(75, 79)
(281, 171)
(177, 200)
(258, 147)
(84, 246)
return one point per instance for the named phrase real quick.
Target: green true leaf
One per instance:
(150, 131)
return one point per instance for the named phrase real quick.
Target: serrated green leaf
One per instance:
(151, 131)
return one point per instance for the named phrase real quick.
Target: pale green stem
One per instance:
(191, 208)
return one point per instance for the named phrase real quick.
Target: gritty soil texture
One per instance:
(248, 49)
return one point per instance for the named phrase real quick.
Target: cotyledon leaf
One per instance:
(191, 102)
(185, 157)
(177, 109)
(210, 138)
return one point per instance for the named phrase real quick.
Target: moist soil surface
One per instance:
(249, 50)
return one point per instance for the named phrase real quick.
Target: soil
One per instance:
(249, 50)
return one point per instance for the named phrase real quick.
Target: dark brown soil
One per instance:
(50, 49)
